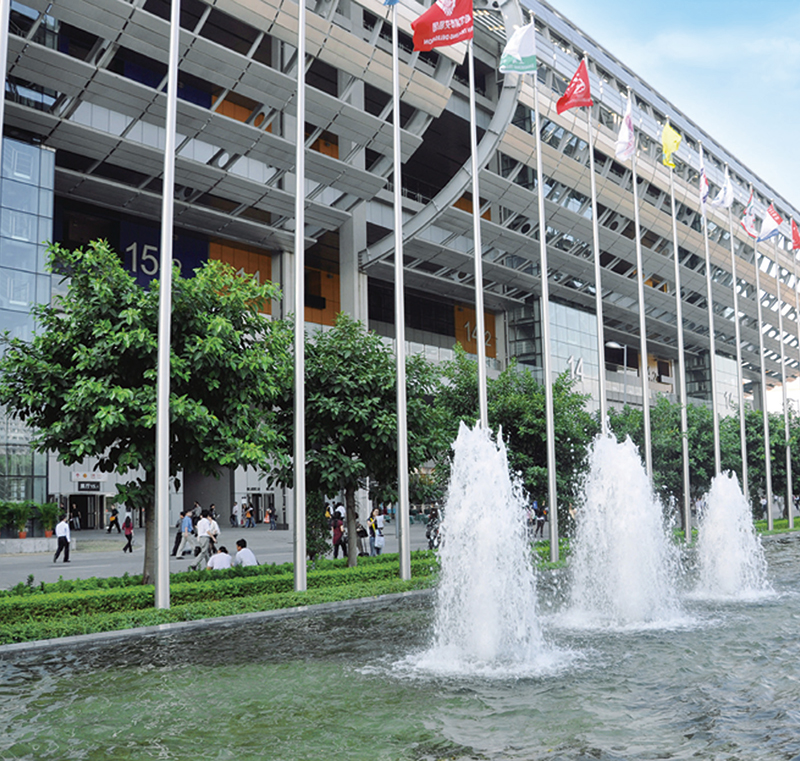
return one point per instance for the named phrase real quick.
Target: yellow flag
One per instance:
(670, 140)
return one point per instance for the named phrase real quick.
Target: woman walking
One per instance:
(375, 526)
(127, 529)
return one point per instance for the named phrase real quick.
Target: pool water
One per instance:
(723, 682)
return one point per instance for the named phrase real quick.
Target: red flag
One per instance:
(795, 236)
(446, 22)
(578, 91)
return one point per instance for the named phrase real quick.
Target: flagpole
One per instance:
(165, 320)
(545, 310)
(711, 337)
(648, 447)
(476, 231)
(300, 573)
(403, 513)
(598, 287)
(764, 412)
(796, 307)
(738, 336)
(684, 401)
(787, 436)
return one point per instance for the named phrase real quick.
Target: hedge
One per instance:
(67, 625)
(211, 587)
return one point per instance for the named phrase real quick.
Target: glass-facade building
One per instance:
(26, 225)
(85, 101)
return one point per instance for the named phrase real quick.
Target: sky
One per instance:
(732, 67)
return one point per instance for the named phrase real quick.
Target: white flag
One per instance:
(704, 188)
(724, 198)
(519, 53)
(626, 140)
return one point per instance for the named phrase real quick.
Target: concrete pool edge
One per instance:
(204, 623)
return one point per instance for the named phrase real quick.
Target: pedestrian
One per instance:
(541, 516)
(178, 535)
(213, 530)
(204, 542)
(187, 535)
(338, 536)
(233, 516)
(127, 529)
(361, 535)
(75, 518)
(273, 518)
(375, 527)
(113, 521)
(432, 529)
(62, 532)
(220, 560)
(249, 515)
(244, 555)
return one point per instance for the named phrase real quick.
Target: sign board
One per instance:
(88, 486)
(88, 476)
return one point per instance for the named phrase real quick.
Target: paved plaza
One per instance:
(97, 553)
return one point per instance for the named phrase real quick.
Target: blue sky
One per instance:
(732, 67)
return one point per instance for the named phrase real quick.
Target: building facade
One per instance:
(85, 99)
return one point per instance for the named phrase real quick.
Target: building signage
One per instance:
(88, 476)
(88, 486)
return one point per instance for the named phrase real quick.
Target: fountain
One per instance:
(624, 564)
(486, 618)
(730, 558)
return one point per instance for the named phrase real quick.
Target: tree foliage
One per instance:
(86, 383)
(351, 416)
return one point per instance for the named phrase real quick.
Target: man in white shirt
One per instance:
(203, 541)
(62, 532)
(244, 555)
(220, 560)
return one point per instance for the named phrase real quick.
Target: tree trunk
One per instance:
(352, 540)
(149, 570)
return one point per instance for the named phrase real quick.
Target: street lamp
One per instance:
(615, 345)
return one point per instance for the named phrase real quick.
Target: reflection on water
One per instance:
(334, 686)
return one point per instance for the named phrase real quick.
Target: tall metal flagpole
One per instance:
(300, 575)
(403, 527)
(545, 302)
(787, 436)
(598, 287)
(764, 412)
(476, 234)
(164, 320)
(796, 312)
(711, 338)
(648, 447)
(737, 328)
(684, 401)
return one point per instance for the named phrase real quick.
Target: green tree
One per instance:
(86, 382)
(351, 418)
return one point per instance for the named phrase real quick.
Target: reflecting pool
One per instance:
(724, 683)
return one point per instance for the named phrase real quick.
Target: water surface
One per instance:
(726, 685)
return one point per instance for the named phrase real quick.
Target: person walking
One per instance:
(273, 518)
(204, 540)
(113, 521)
(541, 516)
(375, 527)
(249, 514)
(62, 533)
(127, 530)
(338, 536)
(187, 532)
